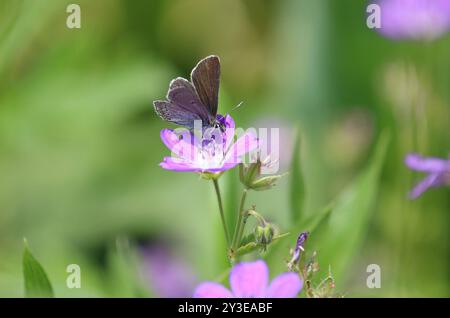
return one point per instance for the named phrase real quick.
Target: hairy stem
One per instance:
(222, 216)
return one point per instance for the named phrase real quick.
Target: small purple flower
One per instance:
(251, 280)
(213, 151)
(167, 275)
(414, 19)
(298, 250)
(438, 171)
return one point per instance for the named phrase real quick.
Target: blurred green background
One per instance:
(80, 146)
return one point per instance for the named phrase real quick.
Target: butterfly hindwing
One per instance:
(183, 105)
(173, 113)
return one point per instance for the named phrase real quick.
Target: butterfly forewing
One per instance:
(206, 79)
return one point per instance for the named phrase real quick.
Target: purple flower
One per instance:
(251, 280)
(213, 151)
(438, 171)
(414, 19)
(298, 250)
(168, 276)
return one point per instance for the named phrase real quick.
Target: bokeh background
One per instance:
(80, 146)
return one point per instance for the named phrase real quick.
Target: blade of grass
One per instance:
(339, 241)
(37, 284)
(296, 187)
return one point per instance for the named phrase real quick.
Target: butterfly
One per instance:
(197, 99)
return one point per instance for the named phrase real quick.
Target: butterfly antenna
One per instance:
(237, 106)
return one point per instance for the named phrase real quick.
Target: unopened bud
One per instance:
(264, 234)
(298, 250)
(250, 176)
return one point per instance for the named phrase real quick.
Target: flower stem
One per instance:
(237, 231)
(241, 229)
(222, 216)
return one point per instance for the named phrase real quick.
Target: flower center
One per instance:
(211, 152)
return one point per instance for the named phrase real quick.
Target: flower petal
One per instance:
(245, 144)
(229, 124)
(227, 166)
(432, 180)
(176, 164)
(249, 279)
(414, 19)
(181, 143)
(430, 164)
(286, 285)
(211, 290)
(216, 169)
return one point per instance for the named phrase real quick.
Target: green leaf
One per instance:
(337, 231)
(36, 280)
(297, 188)
(339, 241)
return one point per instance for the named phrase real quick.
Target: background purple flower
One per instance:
(438, 171)
(414, 19)
(167, 275)
(251, 280)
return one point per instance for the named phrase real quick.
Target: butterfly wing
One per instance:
(206, 79)
(183, 105)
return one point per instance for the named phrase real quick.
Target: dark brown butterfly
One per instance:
(197, 99)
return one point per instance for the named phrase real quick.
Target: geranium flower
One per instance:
(213, 151)
(251, 280)
(438, 172)
(166, 274)
(414, 19)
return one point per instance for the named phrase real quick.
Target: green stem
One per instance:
(222, 216)
(257, 216)
(241, 229)
(237, 231)
(245, 215)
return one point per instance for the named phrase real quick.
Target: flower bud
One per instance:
(250, 175)
(265, 183)
(296, 253)
(264, 234)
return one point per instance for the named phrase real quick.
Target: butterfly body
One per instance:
(194, 100)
